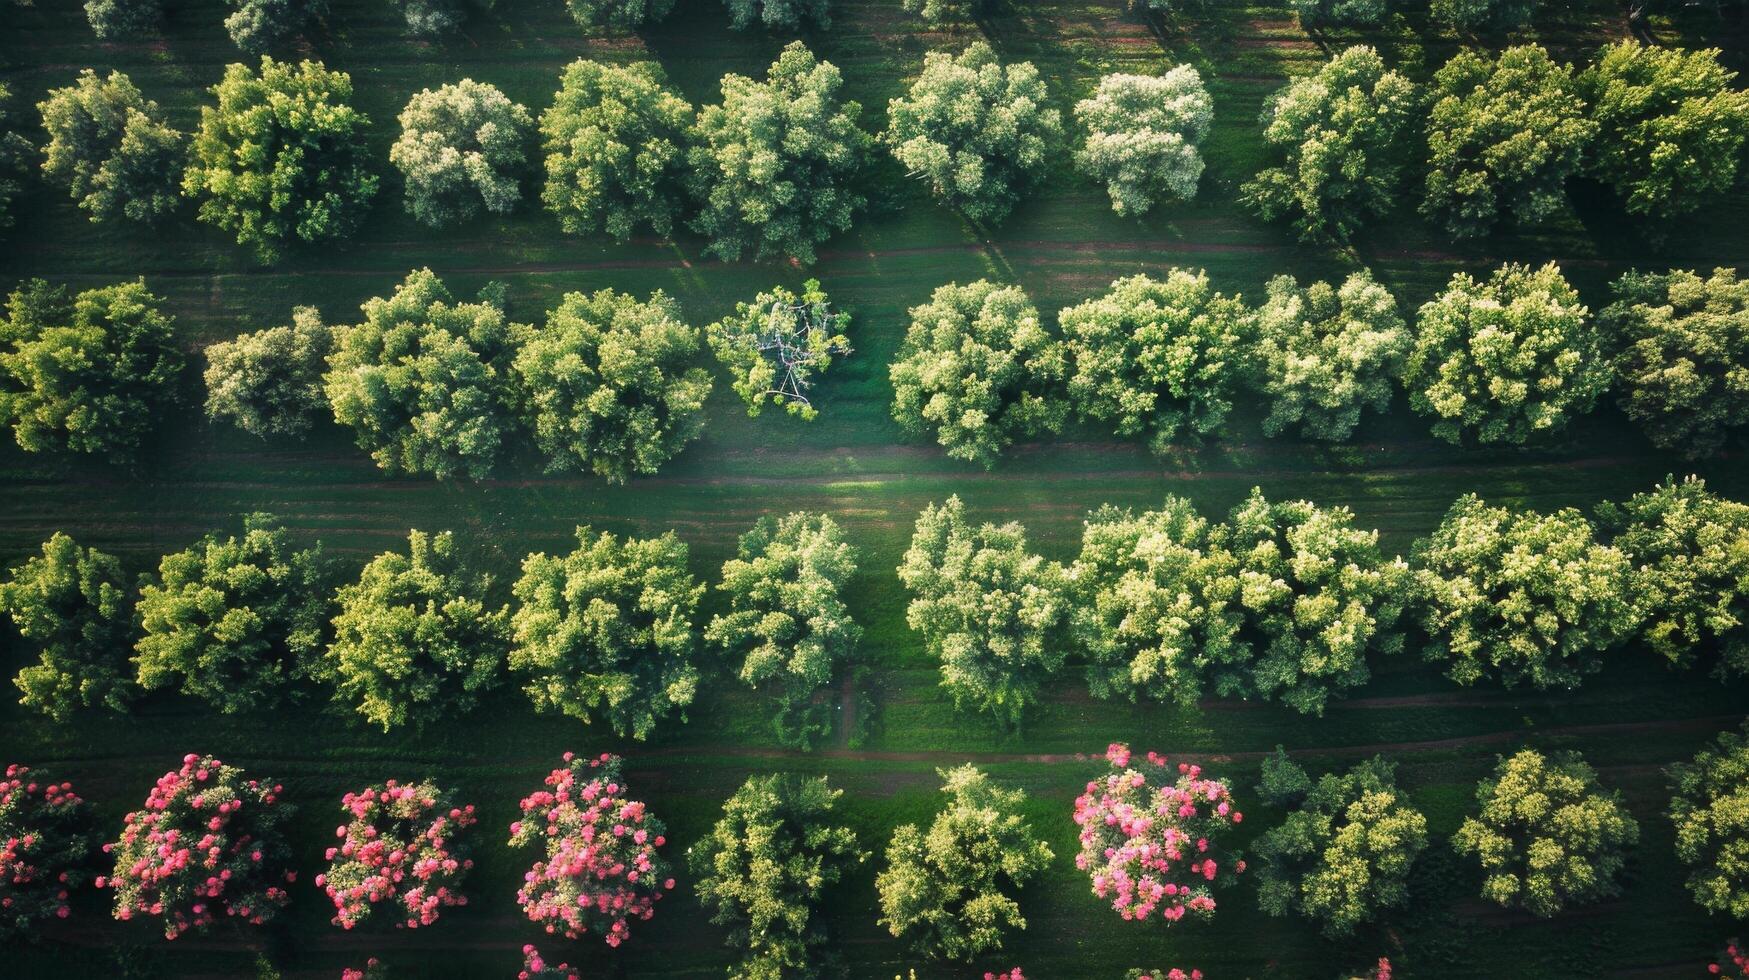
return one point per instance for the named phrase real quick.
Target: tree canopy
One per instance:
(1326, 354)
(116, 20)
(1709, 807)
(269, 383)
(15, 153)
(462, 149)
(622, 15)
(779, 15)
(616, 138)
(110, 147)
(1683, 366)
(257, 25)
(943, 11)
(1485, 15)
(1142, 137)
(1340, 13)
(776, 346)
(74, 608)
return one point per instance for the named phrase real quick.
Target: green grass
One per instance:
(1062, 245)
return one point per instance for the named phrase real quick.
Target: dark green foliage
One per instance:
(1709, 806)
(123, 20)
(110, 146)
(73, 606)
(1683, 366)
(780, 15)
(259, 25)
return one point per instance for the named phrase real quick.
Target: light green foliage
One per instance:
(15, 153)
(421, 379)
(1506, 360)
(269, 383)
(1485, 15)
(282, 157)
(616, 140)
(1143, 134)
(1709, 807)
(1503, 137)
(976, 131)
(1523, 597)
(608, 386)
(86, 374)
(1684, 356)
(938, 12)
(776, 162)
(1158, 357)
(73, 607)
(1343, 853)
(775, 347)
(1547, 837)
(618, 15)
(787, 624)
(605, 633)
(992, 612)
(415, 639)
(233, 621)
(1343, 135)
(463, 148)
(1326, 354)
(110, 147)
(979, 370)
(257, 25)
(779, 15)
(121, 20)
(1340, 13)
(952, 893)
(766, 868)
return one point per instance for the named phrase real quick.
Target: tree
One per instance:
(1327, 354)
(282, 157)
(608, 384)
(937, 12)
(1503, 137)
(992, 612)
(1343, 853)
(1546, 837)
(979, 369)
(110, 147)
(1158, 357)
(48, 843)
(1502, 361)
(1342, 135)
(404, 845)
(774, 164)
(606, 632)
(269, 383)
(116, 20)
(15, 152)
(1684, 356)
(74, 607)
(952, 892)
(422, 379)
(619, 15)
(779, 15)
(616, 139)
(787, 625)
(1340, 13)
(976, 131)
(1521, 596)
(534, 967)
(462, 149)
(1709, 807)
(1143, 134)
(414, 639)
(766, 866)
(432, 18)
(775, 346)
(86, 374)
(234, 621)
(1485, 15)
(258, 25)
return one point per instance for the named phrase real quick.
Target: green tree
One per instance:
(1503, 137)
(1684, 356)
(1547, 837)
(432, 18)
(976, 131)
(1344, 851)
(257, 25)
(619, 15)
(1524, 597)
(15, 153)
(774, 164)
(1485, 15)
(1502, 361)
(1343, 137)
(765, 869)
(422, 379)
(992, 612)
(269, 383)
(1161, 358)
(414, 637)
(606, 633)
(1709, 807)
(1327, 354)
(777, 345)
(463, 149)
(234, 620)
(607, 384)
(953, 892)
(1143, 134)
(1340, 13)
(73, 607)
(86, 374)
(779, 15)
(787, 625)
(937, 12)
(616, 140)
(118, 20)
(980, 370)
(282, 157)
(110, 147)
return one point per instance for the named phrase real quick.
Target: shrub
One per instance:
(462, 149)
(403, 845)
(48, 840)
(1143, 134)
(109, 145)
(534, 967)
(269, 383)
(616, 139)
(74, 606)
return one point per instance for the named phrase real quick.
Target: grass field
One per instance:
(853, 462)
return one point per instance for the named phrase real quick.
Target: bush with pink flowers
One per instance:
(373, 970)
(601, 868)
(1148, 843)
(1172, 974)
(402, 846)
(208, 843)
(536, 968)
(47, 841)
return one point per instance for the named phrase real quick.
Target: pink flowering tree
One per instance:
(1733, 963)
(404, 846)
(601, 869)
(47, 842)
(1379, 971)
(373, 970)
(1147, 839)
(536, 968)
(209, 842)
(1172, 974)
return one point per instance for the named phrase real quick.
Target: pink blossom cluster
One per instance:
(1147, 843)
(373, 970)
(1382, 971)
(208, 841)
(1733, 964)
(535, 968)
(1172, 974)
(45, 844)
(601, 868)
(1013, 974)
(401, 845)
